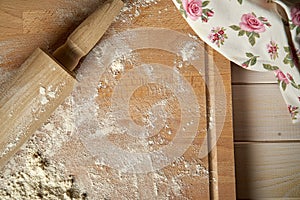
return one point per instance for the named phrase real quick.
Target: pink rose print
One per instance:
(204, 20)
(251, 24)
(193, 8)
(244, 65)
(293, 111)
(283, 80)
(272, 48)
(295, 14)
(210, 13)
(292, 81)
(290, 77)
(217, 36)
(281, 77)
(295, 21)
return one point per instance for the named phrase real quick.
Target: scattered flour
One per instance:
(211, 118)
(188, 51)
(117, 67)
(37, 178)
(41, 175)
(47, 93)
(96, 122)
(132, 9)
(38, 175)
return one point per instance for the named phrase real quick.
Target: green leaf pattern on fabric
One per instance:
(251, 61)
(288, 60)
(270, 67)
(195, 9)
(260, 50)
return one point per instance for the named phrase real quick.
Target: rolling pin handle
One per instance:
(69, 55)
(89, 32)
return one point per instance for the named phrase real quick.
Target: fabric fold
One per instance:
(256, 35)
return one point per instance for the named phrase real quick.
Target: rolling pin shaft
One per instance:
(46, 82)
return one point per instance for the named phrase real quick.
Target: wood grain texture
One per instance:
(21, 113)
(30, 100)
(266, 141)
(260, 114)
(28, 25)
(268, 171)
(47, 25)
(87, 34)
(222, 167)
(243, 76)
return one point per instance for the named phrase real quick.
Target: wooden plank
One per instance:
(30, 101)
(21, 102)
(222, 170)
(268, 171)
(260, 114)
(244, 76)
(47, 24)
(24, 26)
(212, 129)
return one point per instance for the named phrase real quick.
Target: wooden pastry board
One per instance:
(27, 25)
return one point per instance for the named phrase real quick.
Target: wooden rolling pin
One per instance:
(47, 81)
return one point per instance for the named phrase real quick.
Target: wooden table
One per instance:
(27, 25)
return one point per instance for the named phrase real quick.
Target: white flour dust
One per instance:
(32, 173)
(55, 164)
(188, 51)
(133, 9)
(46, 94)
(37, 178)
(101, 128)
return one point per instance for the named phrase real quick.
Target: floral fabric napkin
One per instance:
(260, 35)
